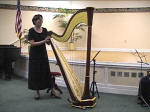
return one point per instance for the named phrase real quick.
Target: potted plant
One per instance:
(76, 34)
(24, 39)
(25, 36)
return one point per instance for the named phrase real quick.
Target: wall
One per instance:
(110, 30)
(121, 30)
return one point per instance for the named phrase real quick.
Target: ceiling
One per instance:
(82, 4)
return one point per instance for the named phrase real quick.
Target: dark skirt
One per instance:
(39, 74)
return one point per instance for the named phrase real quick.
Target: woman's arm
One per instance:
(33, 43)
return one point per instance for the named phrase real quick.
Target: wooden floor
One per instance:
(105, 56)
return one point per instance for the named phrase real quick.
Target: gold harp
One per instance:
(80, 94)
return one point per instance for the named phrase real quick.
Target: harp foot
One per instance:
(83, 104)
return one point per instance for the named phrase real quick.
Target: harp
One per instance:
(79, 93)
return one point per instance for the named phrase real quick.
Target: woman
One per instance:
(39, 70)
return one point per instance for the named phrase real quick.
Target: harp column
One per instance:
(86, 94)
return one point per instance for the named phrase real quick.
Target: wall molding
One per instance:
(98, 49)
(119, 10)
(111, 49)
(63, 10)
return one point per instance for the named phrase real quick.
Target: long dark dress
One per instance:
(39, 77)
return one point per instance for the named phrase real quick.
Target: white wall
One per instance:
(110, 30)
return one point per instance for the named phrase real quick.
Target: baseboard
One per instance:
(21, 73)
(116, 89)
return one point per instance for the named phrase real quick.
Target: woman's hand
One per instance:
(47, 40)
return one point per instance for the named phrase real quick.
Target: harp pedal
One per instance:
(69, 100)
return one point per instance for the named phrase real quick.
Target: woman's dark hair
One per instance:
(36, 17)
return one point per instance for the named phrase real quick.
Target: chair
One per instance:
(144, 91)
(55, 74)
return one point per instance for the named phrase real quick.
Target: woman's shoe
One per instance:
(54, 94)
(37, 97)
(139, 101)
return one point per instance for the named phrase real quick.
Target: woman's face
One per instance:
(39, 22)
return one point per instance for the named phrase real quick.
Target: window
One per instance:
(140, 74)
(126, 74)
(133, 74)
(113, 73)
(119, 74)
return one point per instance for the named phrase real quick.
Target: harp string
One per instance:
(80, 94)
(73, 80)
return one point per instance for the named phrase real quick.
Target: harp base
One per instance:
(83, 104)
